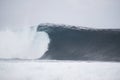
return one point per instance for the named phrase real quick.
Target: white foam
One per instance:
(23, 43)
(59, 70)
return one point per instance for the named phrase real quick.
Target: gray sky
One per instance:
(90, 13)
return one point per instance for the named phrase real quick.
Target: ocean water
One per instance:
(81, 43)
(59, 52)
(59, 70)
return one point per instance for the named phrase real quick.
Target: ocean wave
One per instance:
(81, 43)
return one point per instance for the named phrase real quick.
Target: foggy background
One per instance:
(89, 13)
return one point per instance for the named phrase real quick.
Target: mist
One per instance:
(24, 43)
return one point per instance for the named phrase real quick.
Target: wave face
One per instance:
(73, 43)
(25, 43)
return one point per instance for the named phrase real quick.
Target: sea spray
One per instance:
(23, 43)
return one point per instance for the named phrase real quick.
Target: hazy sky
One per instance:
(90, 13)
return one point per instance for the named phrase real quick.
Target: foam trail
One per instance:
(23, 43)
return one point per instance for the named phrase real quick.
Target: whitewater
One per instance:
(59, 70)
(23, 43)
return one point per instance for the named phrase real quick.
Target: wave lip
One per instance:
(81, 43)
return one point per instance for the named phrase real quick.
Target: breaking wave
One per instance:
(81, 43)
(60, 42)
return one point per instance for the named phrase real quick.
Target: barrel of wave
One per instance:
(25, 43)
